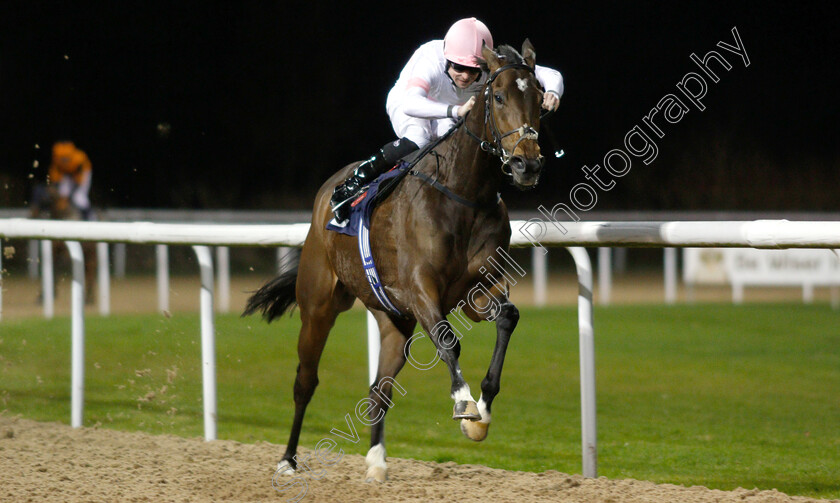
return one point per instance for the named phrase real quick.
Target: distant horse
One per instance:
(431, 240)
(54, 206)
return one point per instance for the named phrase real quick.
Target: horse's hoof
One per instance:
(284, 468)
(465, 410)
(376, 474)
(474, 430)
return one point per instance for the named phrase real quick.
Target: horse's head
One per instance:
(512, 101)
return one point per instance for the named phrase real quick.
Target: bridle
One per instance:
(525, 131)
(495, 147)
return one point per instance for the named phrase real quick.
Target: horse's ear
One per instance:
(490, 58)
(528, 53)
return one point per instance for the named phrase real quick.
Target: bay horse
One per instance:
(431, 240)
(57, 207)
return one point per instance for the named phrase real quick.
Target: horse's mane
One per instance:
(510, 55)
(507, 54)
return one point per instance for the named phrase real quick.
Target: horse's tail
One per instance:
(276, 296)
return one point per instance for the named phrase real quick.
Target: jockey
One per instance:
(437, 86)
(70, 171)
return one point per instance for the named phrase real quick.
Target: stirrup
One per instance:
(348, 190)
(341, 195)
(341, 205)
(341, 215)
(341, 210)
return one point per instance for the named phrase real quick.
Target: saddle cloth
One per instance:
(358, 225)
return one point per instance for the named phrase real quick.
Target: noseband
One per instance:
(525, 131)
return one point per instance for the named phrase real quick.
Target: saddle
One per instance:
(362, 206)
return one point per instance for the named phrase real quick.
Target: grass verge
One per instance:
(715, 395)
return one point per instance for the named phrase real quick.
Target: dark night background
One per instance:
(265, 101)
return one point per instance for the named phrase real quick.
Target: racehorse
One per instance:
(432, 239)
(60, 207)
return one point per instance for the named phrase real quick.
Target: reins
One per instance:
(384, 190)
(433, 181)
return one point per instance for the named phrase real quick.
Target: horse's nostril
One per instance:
(517, 163)
(529, 166)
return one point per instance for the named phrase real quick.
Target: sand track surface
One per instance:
(53, 462)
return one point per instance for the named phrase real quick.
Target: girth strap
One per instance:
(371, 273)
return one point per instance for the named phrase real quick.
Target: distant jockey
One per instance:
(70, 173)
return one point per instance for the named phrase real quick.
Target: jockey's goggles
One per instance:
(463, 68)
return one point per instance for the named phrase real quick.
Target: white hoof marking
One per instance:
(463, 394)
(482, 409)
(377, 469)
(284, 468)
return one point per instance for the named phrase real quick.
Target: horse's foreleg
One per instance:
(391, 360)
(449, 348)
(506, 322)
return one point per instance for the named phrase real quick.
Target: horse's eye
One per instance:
(499, 98)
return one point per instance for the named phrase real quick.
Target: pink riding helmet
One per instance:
(462, 43)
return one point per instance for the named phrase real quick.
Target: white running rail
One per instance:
(534, 232)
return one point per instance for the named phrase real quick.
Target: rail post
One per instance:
(77, 296)
(587, 362)
(208, 341)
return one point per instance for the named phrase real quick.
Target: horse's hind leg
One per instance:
(394, 335)
(320, 300)
(507, 316)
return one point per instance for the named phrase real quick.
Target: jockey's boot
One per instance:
(367, 172)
